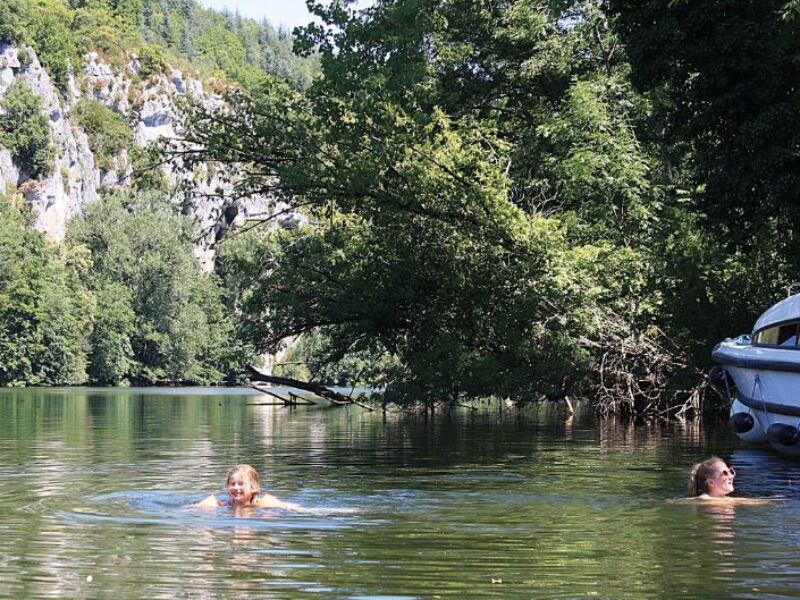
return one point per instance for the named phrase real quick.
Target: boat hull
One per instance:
(764, 384)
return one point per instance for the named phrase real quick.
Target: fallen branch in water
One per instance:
(315, 388)
(292, 400)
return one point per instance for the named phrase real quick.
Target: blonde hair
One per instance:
(250, 476)
(701, 473)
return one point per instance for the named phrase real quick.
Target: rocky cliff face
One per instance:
(74, 181)
(148, 105)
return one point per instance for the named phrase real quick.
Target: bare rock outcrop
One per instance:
(149, 104)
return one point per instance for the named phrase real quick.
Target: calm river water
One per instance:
(94, 483)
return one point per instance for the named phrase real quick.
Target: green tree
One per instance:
(480, 207)
(722, 91)
(44, 312)
(414, 251)
(25, 130)
(112, 360)
(54, 41)
(106, 129)
(159, 319)
(16, 17)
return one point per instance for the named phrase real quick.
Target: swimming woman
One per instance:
(712, 479)
(244, 489)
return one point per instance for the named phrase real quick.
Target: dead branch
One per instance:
(315, 388)
(635, 373)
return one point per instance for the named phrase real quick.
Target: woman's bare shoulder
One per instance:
(210, 502)
(752, 501)
(270, 501)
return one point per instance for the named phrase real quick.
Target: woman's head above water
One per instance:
(712, 478)
(244, 490)
(244, 485)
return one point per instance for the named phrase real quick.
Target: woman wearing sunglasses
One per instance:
(710, 479)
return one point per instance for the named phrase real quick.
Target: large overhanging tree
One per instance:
(722, 77)
(479, 209)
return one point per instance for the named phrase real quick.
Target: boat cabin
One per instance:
(779, 325)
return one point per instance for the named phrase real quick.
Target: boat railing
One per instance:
(792, 289)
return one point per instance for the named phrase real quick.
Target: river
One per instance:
(94, 488)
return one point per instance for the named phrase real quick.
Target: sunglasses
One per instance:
(729, 471)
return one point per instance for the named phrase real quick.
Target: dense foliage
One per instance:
(25, 130)
(158, 318)
(239, 47)
(44, 312)
(525, 198)
(123, 301)
(107, 132)
(432, 170)
(722, 84)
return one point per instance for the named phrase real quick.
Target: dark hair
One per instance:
(701, 473)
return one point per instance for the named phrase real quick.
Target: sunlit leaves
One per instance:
(157, 319)
(480, 205)
(44, 312)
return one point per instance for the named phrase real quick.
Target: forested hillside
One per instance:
(177, 32)
(239, 47)
(85, 87)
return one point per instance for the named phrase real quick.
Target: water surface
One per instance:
(94, 488)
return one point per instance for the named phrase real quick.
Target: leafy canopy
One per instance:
(158, 318)
(44, 312)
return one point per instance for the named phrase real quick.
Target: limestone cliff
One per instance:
(148, 104)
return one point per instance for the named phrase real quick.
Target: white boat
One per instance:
(761, 373)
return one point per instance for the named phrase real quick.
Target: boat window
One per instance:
(783, 335)
(787, 335)
(767, 336)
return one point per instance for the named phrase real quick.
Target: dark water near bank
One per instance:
(93, 486)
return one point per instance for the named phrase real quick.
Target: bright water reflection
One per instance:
(94, 486)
